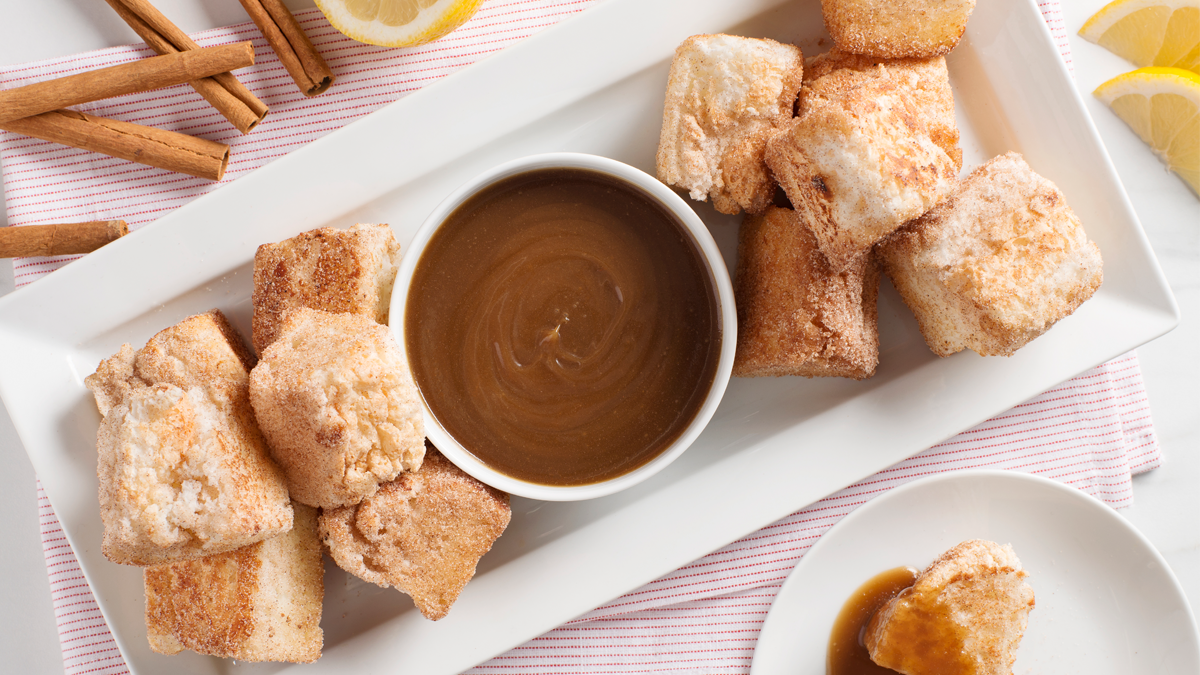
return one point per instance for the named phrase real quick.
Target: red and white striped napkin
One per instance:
(1093, 432)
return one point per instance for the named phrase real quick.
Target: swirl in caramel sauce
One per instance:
(562, 327)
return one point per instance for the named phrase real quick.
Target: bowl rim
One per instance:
(701, 238)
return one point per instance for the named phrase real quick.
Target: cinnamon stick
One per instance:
(146, 145)
(127, 78)
(222, 91)
(296, 52)
(60, 238)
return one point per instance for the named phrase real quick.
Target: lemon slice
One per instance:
(397, 23)
(1149, 32)
(1163, 107)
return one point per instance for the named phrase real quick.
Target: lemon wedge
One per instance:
(1149, 32)
(1162, 105)
(397, 23)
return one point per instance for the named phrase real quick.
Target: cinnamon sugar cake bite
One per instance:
(725, 95)
(328, 269)
(860, 160)
(796, 316)
(925, 82)
(423, 533)
(257, 603)
(996, 264)
(183, 469)
(897, 28)
(964, 615)
(337, 404)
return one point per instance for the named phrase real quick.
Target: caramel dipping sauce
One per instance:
(563, 327)
(847, 653)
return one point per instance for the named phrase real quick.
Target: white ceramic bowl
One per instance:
(703, 241)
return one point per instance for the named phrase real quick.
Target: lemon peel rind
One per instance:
(1104, 19)
(1120, 85)
(432, 23)
(1145, 84)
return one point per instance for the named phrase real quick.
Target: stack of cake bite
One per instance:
(222, 475)
(866, 158)
(189, 491)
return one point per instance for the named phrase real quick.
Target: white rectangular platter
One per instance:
(592, 84)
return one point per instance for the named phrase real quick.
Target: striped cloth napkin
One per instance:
(1093, 432)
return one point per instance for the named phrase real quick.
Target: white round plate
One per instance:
(1106, 600)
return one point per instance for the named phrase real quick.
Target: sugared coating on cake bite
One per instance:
(996, 264)
(182, 467)
(725, 96)
(423, 533)
(795, 315)
(926, 81)
(897, 28)
(859, 162)
(337, 404)
(258, 603)
(964, 615)
(328, 269)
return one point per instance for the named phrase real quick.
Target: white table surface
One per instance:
(1166, 501)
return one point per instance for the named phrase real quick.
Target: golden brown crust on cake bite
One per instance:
(966, 613)
(183, 469)
(927, 81)
(328, 269)
(257, 603)
(998, 263)
(725, 96)
(795, 315)
(859, 162)
(423, 533)
(338, 406)
(897, 28)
